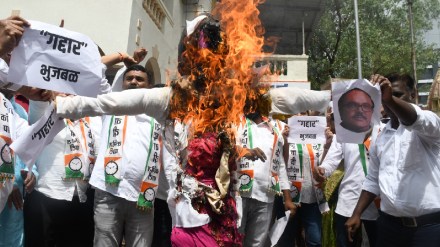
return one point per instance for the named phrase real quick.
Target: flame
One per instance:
(220, 86)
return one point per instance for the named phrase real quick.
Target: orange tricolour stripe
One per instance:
(69, 157)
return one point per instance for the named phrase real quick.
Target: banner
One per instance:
(34, 139)
(307, 130)
(57, 59)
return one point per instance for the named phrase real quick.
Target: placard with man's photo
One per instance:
(356, 106)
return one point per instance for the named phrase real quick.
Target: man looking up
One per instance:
(136, 77)
(356, 108)
(129, 158)
(404, 170)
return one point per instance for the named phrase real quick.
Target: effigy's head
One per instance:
(216, 56)
(202, 50)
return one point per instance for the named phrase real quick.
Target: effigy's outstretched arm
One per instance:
(153, 102)
(291, 100)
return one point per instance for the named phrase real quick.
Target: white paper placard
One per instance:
(57, 59)
(307, 129)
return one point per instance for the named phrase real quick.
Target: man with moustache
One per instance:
(130, 148)
(356, 108)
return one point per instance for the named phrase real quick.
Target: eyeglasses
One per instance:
(364, 107)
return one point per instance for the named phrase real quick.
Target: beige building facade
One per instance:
(125, 25)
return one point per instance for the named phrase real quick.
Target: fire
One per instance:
(217, 64)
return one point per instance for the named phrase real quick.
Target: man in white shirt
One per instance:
(404, 171)
(118, 211)
(258, 179)
(12, 126)
(62, 202)
(356, 164)
(301, 159)
(11, 30)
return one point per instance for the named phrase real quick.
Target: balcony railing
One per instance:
(276, 67)
(288, 68)
(157, 12)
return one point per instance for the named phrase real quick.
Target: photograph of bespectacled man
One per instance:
(356, 109)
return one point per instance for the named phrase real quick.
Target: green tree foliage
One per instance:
(385, 38)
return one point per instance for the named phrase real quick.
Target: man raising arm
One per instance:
(404, 170)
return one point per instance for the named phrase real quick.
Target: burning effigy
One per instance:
(216, 60)
(216, 55)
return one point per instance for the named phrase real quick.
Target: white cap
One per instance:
(192, 25)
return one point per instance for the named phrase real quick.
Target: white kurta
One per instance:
(134, 157)
(50, 163)
(17, 126)
(405, 167)
(263, 138)
(308, 194)
(351, 184)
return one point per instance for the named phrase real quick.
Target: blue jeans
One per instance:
(311, 219)
(341, 232)
(393, 234)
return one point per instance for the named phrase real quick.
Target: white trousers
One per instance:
(255, 222)
(115, 216)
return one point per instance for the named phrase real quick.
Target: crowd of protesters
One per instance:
(125, 185)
